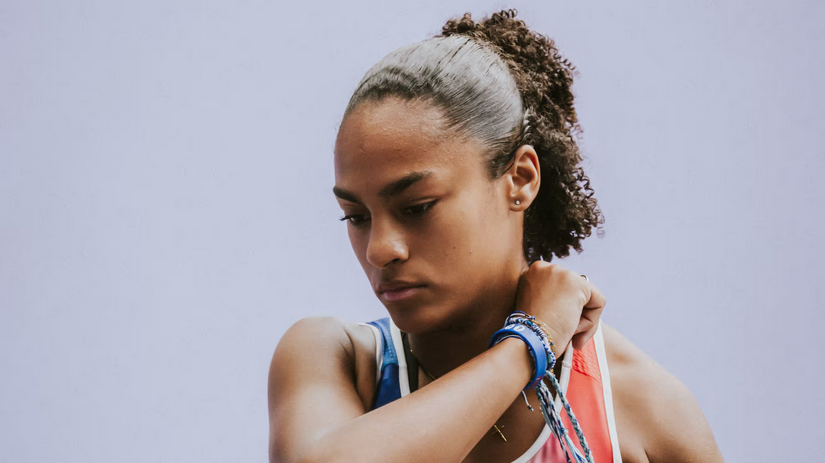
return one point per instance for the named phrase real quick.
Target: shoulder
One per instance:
(657, 417)
(327, 332)
(321, 375)
(327, 342)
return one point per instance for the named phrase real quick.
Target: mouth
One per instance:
(398, 294)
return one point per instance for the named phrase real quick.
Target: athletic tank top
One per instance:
(584, 379)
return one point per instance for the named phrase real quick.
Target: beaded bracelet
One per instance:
(535, 324)
(535, 346)
(551, 417)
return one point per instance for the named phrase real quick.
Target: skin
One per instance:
(421, 207)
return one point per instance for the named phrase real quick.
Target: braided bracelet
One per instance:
(535, 324)
(535, 346)
(534, 334)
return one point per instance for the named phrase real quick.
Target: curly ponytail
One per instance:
(506, 86)
(565, 211)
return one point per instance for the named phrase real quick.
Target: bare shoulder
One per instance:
(352, 344)
(328, 332)
(321, 375)
(657, 417)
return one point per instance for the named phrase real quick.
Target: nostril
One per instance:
(385, 252)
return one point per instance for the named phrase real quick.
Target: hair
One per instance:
(505, 86)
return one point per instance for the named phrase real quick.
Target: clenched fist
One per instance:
(568, 304)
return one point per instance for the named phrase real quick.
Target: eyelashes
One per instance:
(420, 209)
(353, 219)
(417, 210)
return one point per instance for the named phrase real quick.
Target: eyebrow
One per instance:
(391, 189)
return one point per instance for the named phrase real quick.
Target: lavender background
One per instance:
(166, 213)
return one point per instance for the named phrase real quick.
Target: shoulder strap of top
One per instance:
(412, 363)
(388, 388)
(588, 395)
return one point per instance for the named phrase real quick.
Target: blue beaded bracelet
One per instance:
(514, 318)
(525, 327)
(534, 345)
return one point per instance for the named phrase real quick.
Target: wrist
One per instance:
(519, 356)
(559, 342)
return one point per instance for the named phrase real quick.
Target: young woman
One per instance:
(459, 177)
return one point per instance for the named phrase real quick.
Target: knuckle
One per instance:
(571, 276)
(540, 265)
(555, 267)
(587, 325)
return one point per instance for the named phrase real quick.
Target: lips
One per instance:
(399, 294)
(397, 290)
(396, 285)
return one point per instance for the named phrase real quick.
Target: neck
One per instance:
(441, 351)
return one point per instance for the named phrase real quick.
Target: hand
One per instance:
(568, 304)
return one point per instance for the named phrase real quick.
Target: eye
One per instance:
(355, 219)
(419, 209)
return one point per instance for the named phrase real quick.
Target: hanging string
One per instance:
(548, 409)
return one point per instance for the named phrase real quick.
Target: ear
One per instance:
(523, 179)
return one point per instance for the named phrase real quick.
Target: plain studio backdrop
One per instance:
(166, 209)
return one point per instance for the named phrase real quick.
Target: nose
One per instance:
(386, 244)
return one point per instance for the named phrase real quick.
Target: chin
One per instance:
(420, 318)
(414, 319)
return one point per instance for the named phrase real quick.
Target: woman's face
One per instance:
(435, 236)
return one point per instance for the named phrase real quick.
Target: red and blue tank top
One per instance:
(584, 379)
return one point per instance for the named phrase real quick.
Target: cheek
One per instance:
(485, 231)
(460, 238)
(461, 254)
(359, 240)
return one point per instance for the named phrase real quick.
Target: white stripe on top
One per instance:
(608, 393)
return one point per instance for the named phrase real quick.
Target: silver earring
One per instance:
(518, 202)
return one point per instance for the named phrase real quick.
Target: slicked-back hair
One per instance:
(503, 85)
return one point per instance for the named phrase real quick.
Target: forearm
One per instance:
(439, 423)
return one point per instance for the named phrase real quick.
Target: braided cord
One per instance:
(548, 409)
(552, 419)
(572, 416)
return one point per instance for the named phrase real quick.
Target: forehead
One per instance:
(382, 141)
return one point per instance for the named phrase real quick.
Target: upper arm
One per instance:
(311, 386)
(658, 414)
(676, 427)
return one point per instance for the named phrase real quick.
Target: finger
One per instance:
(592, 309)
(597, 299)
(588, 324)
(589, 321)
(588, 328)
(579, 340)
